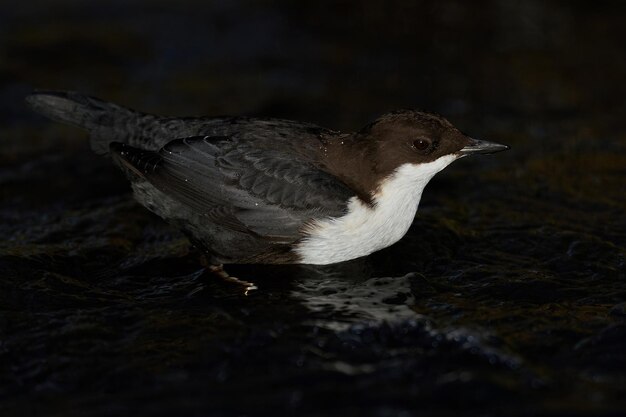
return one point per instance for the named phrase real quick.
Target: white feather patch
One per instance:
(366, 229)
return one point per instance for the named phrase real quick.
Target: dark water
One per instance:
(507, 297)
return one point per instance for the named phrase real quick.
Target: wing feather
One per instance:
(270, 191)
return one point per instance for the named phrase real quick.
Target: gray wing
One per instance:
(260, 188)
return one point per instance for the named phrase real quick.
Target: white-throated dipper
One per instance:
(254, 190)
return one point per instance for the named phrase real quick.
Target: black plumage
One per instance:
(256, 186)
(241, 188)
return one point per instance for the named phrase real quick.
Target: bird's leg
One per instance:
(218, 270)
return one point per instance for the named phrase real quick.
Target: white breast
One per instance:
(366, 229)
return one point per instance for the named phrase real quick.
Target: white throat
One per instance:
(365, 229)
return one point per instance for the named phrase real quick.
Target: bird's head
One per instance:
(419, 138)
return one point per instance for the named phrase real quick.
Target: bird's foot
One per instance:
(218, 270)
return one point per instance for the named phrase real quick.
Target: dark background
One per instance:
(505, 298)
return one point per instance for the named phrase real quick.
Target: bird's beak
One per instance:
(482, 146)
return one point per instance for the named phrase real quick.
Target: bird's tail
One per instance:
(107, 122)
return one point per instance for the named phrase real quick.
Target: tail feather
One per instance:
(107, 122)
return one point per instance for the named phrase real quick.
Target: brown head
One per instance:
(364, 158)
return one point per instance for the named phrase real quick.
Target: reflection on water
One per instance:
(346, 300)
(338, 301)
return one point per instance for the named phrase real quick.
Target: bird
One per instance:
(272, 191)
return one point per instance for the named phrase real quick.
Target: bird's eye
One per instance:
(421, 144)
